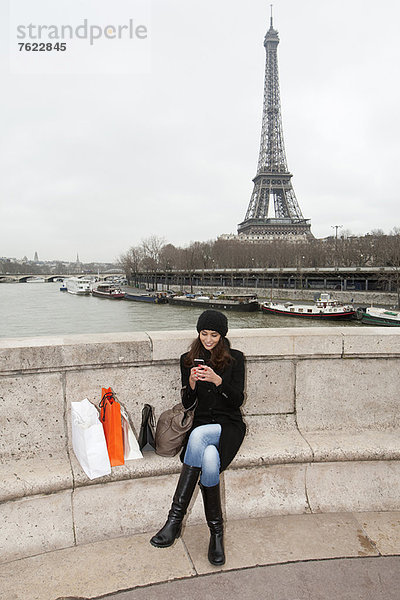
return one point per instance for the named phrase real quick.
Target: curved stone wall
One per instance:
(322, 409)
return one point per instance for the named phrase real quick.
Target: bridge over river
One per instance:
(24, 277)
(360, 278)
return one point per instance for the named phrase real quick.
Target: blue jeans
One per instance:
(202, 452)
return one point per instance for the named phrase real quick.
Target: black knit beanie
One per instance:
(214, 321)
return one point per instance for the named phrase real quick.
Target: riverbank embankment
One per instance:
(266, 294)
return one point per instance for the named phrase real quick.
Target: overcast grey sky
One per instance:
(94, 163)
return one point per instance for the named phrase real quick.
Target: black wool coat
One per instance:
(218, 404)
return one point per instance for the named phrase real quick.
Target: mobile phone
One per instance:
(198, 362)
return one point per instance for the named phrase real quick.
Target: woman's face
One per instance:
(209, 338)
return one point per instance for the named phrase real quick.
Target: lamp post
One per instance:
(336, 227)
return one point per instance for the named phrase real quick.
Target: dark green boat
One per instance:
(243, 303)
(379, 316)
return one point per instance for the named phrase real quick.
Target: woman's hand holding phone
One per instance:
(201, 372)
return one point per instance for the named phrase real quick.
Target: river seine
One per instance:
(40, 309)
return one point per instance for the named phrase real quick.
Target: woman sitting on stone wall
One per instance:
(218, 428)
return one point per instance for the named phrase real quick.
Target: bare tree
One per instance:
(151, 248)
(131, 262)
(393, 260)
(372, 249)
(169, 257)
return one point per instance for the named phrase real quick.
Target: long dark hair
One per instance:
(220, 355)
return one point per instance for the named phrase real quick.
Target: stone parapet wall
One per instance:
(322, 410)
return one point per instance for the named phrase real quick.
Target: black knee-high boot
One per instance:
(213, 511)
(180, 502)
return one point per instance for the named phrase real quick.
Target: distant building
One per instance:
(257, 237)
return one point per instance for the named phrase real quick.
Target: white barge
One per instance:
(78, 286)
(324, 308)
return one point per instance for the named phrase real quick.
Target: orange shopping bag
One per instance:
(110, 416)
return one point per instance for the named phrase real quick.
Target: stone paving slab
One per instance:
(93, 570)
(131, 563)
(337, 579)
(383, 528)
(281, 539)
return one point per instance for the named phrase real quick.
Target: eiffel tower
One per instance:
(272, 184)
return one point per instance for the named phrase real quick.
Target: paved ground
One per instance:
(348, 556)
(335, 579)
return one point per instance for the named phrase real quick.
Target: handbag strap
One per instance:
(103, 404)
(107, 396)
(191, 407)
(148, 410)
(152, 420)
(183, 390)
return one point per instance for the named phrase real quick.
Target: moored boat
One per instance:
(245, 303)
(105, 289)
(78, 286)
(373, 315)
(63, 286)
(324, 308)
(155, 297)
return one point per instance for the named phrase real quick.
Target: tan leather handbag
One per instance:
(172, 428)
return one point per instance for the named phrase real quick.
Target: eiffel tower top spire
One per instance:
(272, 34)
(272, 184)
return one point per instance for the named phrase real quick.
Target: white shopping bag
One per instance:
(88, 440)
(131, 446)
